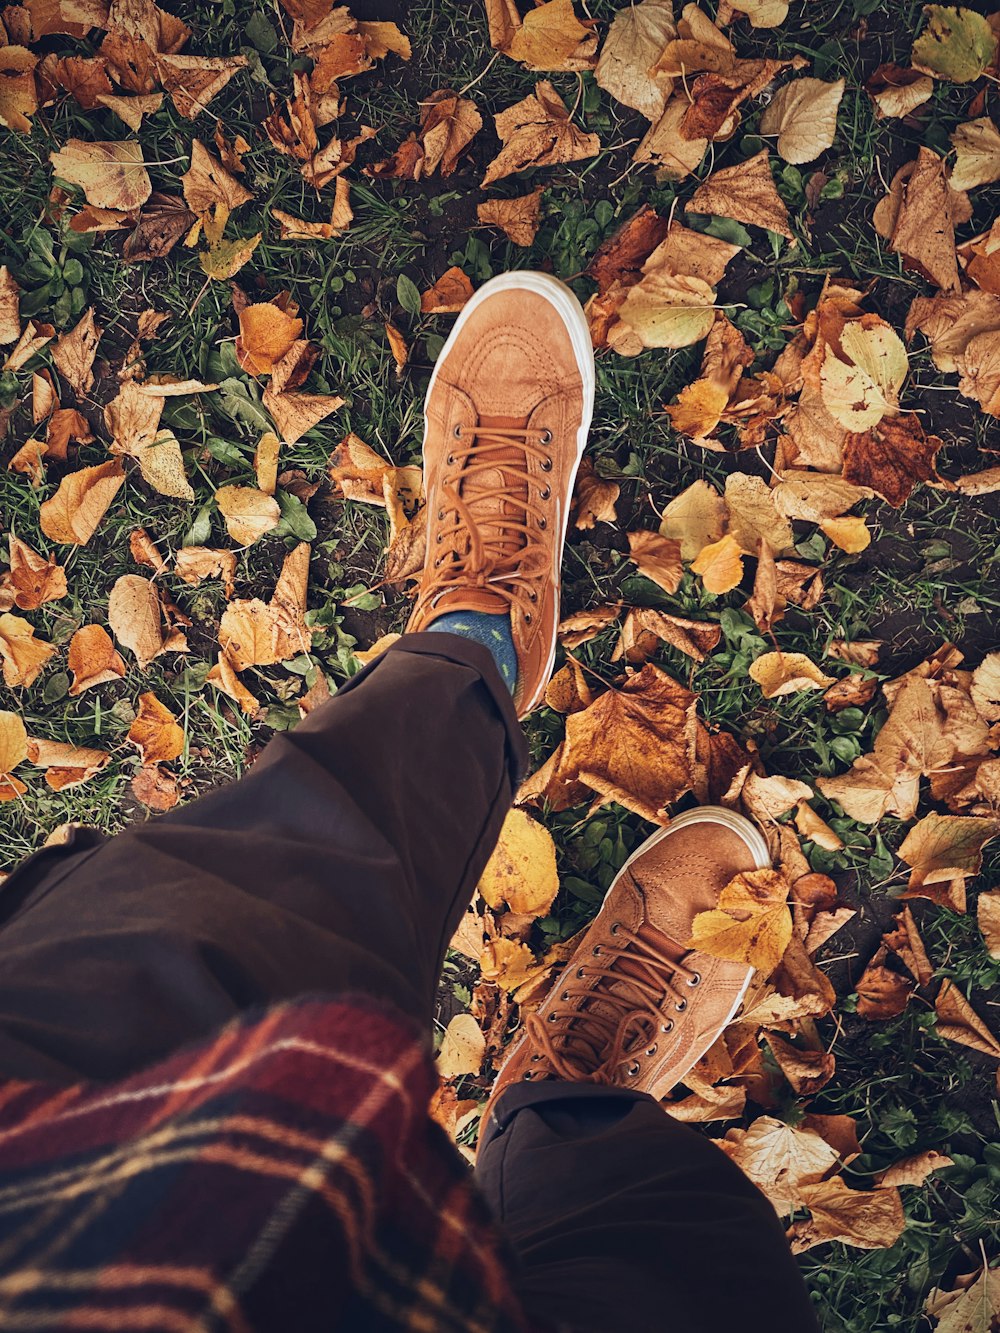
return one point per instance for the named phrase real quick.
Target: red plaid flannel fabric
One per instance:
(282, 1175)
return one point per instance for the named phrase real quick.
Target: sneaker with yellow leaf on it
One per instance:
(634, 1007)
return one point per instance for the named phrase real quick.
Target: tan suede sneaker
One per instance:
(506, 421)
(633, 1007)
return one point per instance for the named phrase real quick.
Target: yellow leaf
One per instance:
(551, 37)
(463, 1047)
(850, 534)
(666, 310)
(720, 565)
(745, 192)
(752, 923)
(860, 391)
(267, 332)
(31, 580)
(111, 174)
(66, 765)
(13, 748)
(985, 688)
(257, 633)
(695, 518)
(958, 44)
(223, 259)
(521, 872)
(787, 673)
(74, 352)
(82, 499)
(518, 218)
(753, 515)
(207, 184)
(248, 513)
(136, 619)
(23, 655)
(977, 154)
(295, 413)
(959, 1022)
(18, 90)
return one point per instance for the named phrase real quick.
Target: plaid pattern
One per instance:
(282, 1175)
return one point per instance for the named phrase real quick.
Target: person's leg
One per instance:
(622, 1216)
(625, 1218)
(341, 862)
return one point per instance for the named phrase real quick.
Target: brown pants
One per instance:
(342, 863)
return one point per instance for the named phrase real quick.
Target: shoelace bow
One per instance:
(587, 1046)
(487, 546)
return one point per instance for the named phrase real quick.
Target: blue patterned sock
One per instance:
(492, 631)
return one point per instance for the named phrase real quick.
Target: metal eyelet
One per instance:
(532, 596)
(633, 1068)
(564, 995)
(581, 971)
(543, 523)
(546, 463)
(552, 1016)
(681, 1005)
(440, 515)
(457, 432)
(694, 978)
(596, 950)
(544, 494)
(546, 438)
(614, 927)
(527, 617)
(652, 1049)
(668, 1026)
(451, 460)
(529, 1074)
(535, 1058)
(439, 539)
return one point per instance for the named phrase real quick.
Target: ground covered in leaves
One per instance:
(234, 242)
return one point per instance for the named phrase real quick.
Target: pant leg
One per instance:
(341, 862)
(625, 1218)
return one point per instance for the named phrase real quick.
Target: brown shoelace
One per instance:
(582, 1045)
(493, 542)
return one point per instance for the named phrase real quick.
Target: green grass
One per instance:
(931, 574)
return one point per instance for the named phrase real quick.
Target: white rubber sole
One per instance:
(571, 313)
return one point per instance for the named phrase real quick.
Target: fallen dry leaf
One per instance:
(958, 44)
(594, 499)
(462, 1047)
(296, 413)
(65, 765)
(913, 1170)
(657, 558)
(803, 114)
(882, 993)
(248, 513)
(805, 1071)
(194, 563)
(93, 659)
(897, 90)
(31, 580)
(957, 1021)
(585, 625)
(111, 174)
(745, 192)
(192, 81)
(752, 923)
(257, 633)
(923, 229)
(521, 871)
(448, 295)
(13, 751)
(645, 628)
(985, 688)
(18, 88)
(538, 132)
(10, 318)
(23, 655)
(988, 918)
(135, 615)
(155, 732)
(940, 848)
(695, 518)
(720, 565)
(754, 515)
(207, 184)
(892, 457)
(977, 154)
(81, 500)
(518, 218)
(267, 332)
(779, 1158)
(156, 788)
(868, 1220)
(74, 352)
(626, 69)
(787, 673)
(663, 309)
